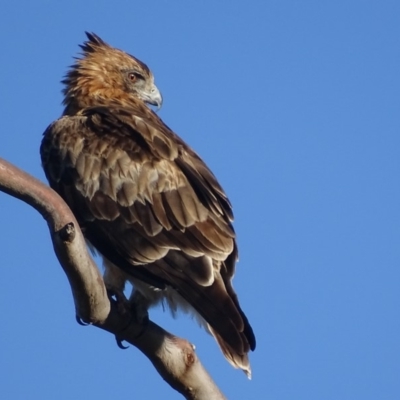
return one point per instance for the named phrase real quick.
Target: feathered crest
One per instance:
(96, 44)
(93, 43)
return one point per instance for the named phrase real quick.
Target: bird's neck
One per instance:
(76, 102)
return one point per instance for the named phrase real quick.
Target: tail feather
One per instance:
(219, 306)
(236, 359)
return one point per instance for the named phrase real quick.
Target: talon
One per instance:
(80, 321)
(119, 343)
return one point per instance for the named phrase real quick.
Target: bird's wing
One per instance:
(150, 205)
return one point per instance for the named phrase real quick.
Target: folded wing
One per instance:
(150, 205)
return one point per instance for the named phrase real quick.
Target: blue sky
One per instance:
(295, 107)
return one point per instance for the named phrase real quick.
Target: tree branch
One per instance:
(173, 357)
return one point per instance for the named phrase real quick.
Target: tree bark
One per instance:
(173, 357)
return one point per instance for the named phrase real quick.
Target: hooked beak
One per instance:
(152, 97)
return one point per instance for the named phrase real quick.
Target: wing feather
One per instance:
(159, 211)
(150, 205)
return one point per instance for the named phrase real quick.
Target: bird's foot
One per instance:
(123, 306)
(139, 307)
(119, 298)
(139, 316)
(136, 307)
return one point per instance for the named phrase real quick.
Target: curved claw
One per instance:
(119, 343)
(80, 321)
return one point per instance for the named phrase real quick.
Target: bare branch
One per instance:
(173, 357)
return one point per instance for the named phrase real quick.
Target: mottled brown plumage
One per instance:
(144, 199)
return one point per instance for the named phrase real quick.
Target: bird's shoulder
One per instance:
(128, 154)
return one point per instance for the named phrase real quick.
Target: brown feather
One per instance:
(143, 197)
(159, 211)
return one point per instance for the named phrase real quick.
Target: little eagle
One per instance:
(143, 198)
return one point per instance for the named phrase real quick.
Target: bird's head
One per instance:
(105, 73)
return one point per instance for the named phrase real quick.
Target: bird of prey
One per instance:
(143, 198)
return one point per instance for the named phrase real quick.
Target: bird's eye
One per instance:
(132, 76)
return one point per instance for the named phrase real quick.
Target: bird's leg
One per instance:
(119, 298)
(139, 306)
(114, 280)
